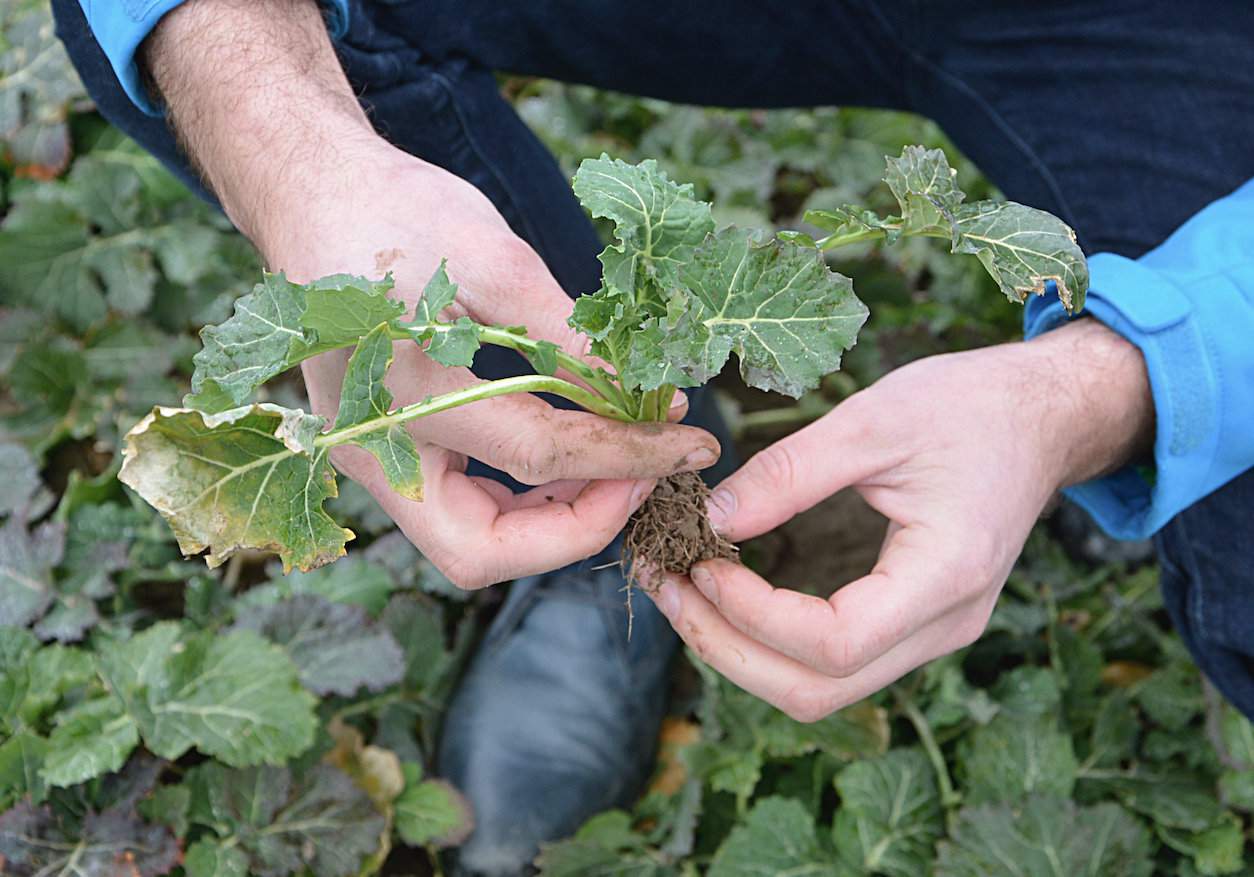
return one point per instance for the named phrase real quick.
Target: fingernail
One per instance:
(698, 459)
(721, 506)
(705, 583)
(678, 400)
(667, 598)
(640, 493)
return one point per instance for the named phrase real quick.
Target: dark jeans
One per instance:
(1123, 117)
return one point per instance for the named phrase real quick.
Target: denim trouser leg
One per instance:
(1124, 117)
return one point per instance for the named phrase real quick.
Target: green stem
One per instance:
(523, 384)
(949, 798)
(596, 378)
(648, 406)
(832, 241)
(665, 396)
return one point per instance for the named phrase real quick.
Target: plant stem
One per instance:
(665, 395)
(832, 241)
(596, 378)
(648, 405)
(949, 798)
(488, 390)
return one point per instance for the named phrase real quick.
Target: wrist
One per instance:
(1101, 409)
(258, 99)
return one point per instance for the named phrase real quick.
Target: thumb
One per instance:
(795, 473)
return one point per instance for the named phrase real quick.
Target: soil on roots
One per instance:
(672, 531)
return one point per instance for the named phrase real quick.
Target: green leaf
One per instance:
(97, 546)
(1015, 756)
(1172, 799)
(1172, 696)
(1022, 248)
(1236, 789)
(777, 837)
(245, 478)
(544, 358)
(167, 805)
(207, 858)
(605, 846)
(859, 731)
(16, 647)
(353, 580)
(923, 183)
(42, 247)
(658, 223)
(1218, 850)
(431, 811)
(417, 623)
(340, 309)
(27, 559)
(121, 350)
(1045, 837)
(38, 85)
(454, 344)
(233, 696)
(890, 814)
(91, 739)
(129, 275)
(785, 314)
(336, 647)
(1029, 692)
(19, 478)
(1238, 736)
(1115, 731)
(283, 823)
(600, 313)
(436, 296)
(954, 700)
(450, 344)
(280, 324)
(21, 759)
(725, 767)
(38, 841)
(251, 347)
(365, 398)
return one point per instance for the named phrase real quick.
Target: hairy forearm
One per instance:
(257, 97)
(1101, 402)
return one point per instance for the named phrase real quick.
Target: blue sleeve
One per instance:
(1189, 306)
(121, 25)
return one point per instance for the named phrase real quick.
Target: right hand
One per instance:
(387, 211)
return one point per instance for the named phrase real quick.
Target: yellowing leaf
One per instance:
(245, 478)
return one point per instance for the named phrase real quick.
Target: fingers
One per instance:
(800, 691)
(916, 581)
(799, 471)
(477, 536)
(536, 443)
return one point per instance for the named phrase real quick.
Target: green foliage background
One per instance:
(177, 720)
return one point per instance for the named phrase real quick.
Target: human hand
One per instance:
(593, 472)
(961, 453)
(264, 110)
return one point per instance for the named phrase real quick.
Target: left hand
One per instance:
(961, 452)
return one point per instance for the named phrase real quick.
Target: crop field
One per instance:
(159, 716)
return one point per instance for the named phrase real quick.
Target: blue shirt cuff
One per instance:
(1188, 306)
(121, 25)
